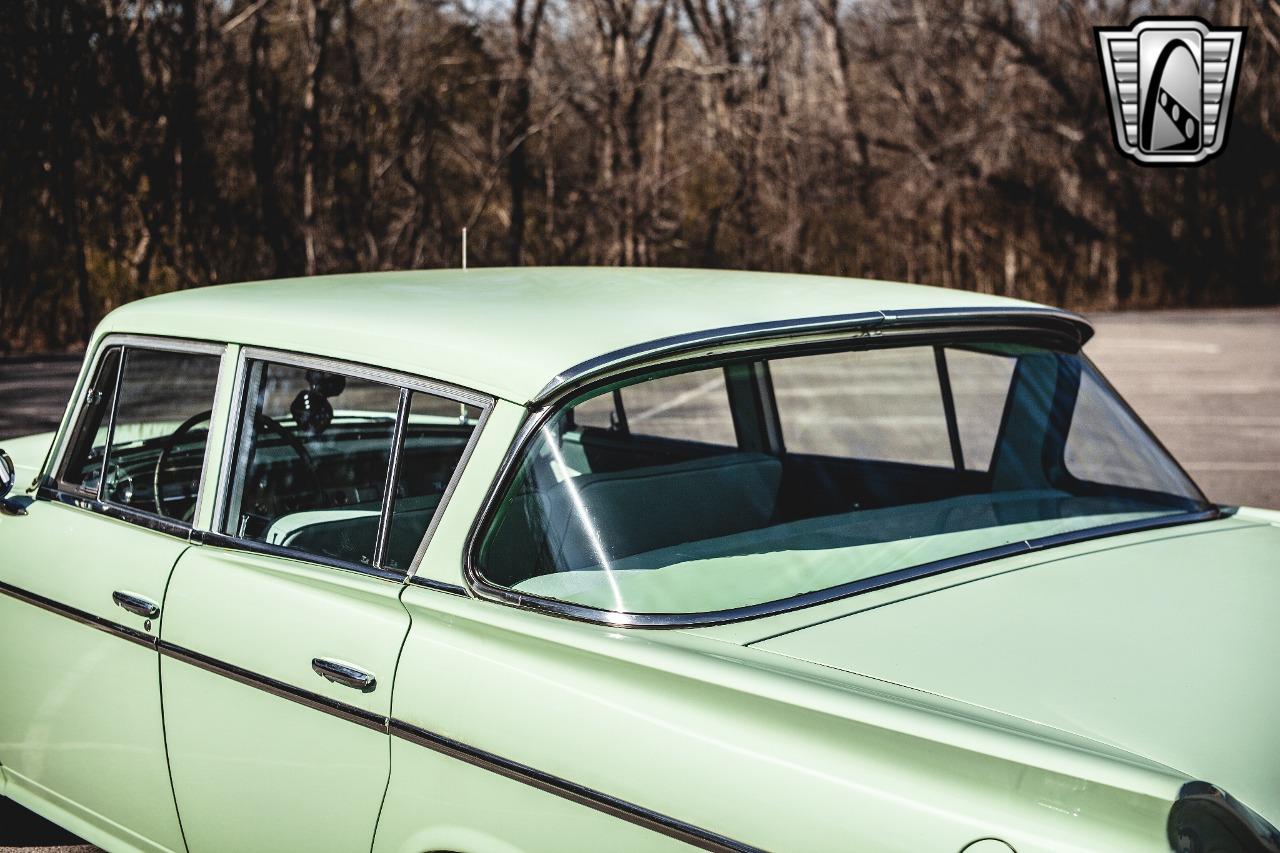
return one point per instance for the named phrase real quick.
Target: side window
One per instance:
(688, 406)
(316, 451)
(436, 433)
(1105, 444)
(603, 412)
(880, 405)
(311, 461)
(82, 470)
(141, 440)
(980, 382)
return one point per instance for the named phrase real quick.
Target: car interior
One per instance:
(313, 461)
(307, 477)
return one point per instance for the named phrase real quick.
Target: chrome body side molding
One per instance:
(588, 797)
(315, 701)
(630, 812)
(124, 632)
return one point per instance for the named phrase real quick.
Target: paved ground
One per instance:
(1207, 382)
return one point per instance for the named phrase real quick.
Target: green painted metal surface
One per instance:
(1159, 646)
(80, 709)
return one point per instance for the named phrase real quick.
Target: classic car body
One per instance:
(567, 559)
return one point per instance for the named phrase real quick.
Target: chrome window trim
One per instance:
(136, 517)
(780, 331)
(387, 512)
(234, 543)
(392, 378)
(111, 425)
(49, 480)
(230, 440)
(445, 496)
(374, 374)
(54, 460)
(911, 335)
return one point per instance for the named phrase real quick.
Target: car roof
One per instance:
(517, 332)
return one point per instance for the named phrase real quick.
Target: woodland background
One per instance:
(149, 145)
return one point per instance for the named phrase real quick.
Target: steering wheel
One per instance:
(265, 423)
(170, 442)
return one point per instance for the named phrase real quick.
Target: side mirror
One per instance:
(8, 474)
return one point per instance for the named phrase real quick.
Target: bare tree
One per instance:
(155, 144)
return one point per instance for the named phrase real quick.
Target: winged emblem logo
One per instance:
(1170, 83)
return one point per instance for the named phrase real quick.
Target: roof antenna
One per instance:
(464, 248)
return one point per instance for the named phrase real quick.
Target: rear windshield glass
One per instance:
(793, 475)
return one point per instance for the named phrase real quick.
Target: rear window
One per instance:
(758, 481)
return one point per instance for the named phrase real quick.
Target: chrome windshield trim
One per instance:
(75, 614)
(640, 816)
(861, 323)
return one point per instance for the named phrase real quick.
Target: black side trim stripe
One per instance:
(439, 586)
(315, 701)
(588, 797)
(77, 615)
(592, 799)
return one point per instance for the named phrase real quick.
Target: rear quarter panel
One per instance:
(724, 738)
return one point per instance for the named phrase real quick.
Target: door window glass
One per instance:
(144, 450)
(160, 431)
(88, 444)
(312, 460)
(436, 433)
(316, 451)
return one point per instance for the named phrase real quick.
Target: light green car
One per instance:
(625, 560)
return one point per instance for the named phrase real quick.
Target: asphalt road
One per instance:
(1207, 382)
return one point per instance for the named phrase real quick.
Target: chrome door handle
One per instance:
(344, 674)
(136, 604)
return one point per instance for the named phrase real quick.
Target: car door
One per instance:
(284, 626)
(83, 579)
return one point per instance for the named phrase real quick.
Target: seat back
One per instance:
(637, 510)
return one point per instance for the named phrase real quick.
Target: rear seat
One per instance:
(349, 532)
(638, 510)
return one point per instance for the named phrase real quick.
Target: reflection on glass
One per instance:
(878, 460)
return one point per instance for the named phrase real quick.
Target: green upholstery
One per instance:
(634, 511)
(349, 533)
